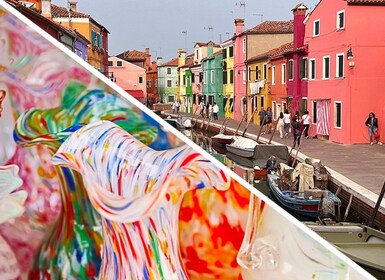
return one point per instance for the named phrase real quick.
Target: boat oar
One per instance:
(260, 128)
(272, 133)
(375, 210)
(248, 123)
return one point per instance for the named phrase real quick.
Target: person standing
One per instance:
(177, 106)
(286, 121)
(280, 125)
(296, 131)
(202, 109)
(215, 111)
(372, 124)
(306, 123)
(269, 119)
(262, 119)
(210, 112)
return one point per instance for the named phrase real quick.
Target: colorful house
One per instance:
(96, 33)
(252, 42)
(228, 77)
(130, 77)
(81, 46)
(213, 78)
(346, 68)
(152, 83)
(184, 81)
(167, 80)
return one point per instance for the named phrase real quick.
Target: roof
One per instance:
(272, 27)
(273, 52)
(172, 62)
(79, 35)
(206, 44)
(366, 2)
(133, 55)
(189, 62)
(62, 12)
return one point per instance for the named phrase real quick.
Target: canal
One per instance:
(242, 167)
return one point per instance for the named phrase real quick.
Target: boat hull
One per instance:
(296, 202)
(242, 152)
(222, 139)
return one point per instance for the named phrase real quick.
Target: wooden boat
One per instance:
(223, 139)
(363, 244)
(243, 147)
(260, 173)
(180, 123)
(305, 203)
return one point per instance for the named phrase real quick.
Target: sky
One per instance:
(164, 26)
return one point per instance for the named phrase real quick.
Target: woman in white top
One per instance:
(280, 125)
(306, 123)
(286, 121)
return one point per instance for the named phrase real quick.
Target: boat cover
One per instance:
(305, 173)
(262, 152)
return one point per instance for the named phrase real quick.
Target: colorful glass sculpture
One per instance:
(138, 192)
(72, 248)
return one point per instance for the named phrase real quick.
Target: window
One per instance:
(249, 74)
(337, 114)
(205, 77)
(184, 80)
(316, 28)
(140, 80)
(262, 101)
(168, 71)
(303, 68)
(224, 77)
(244, 45)
(326, 67)
(283, 78)
(256, 73)
(171, 98)
(290, 69)
(231, 51)
(192, 77)
(273, 75)
(149, 84)
(340, 20)
(265, 71)
(119, 63)
(110, 63)
(85, 57)
(169, 83)
(200, 77)
(231, 76)
(224, 53)
(244, 77)
(312, 69)
(212, 77)
(80, 54)
(340, 65)
(314, 112)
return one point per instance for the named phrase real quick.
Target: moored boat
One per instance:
(363, 244)
(303, 202)
(224, 139)
(243, 147)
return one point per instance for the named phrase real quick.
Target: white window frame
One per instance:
(265, 71)
(319, 27)
(212, 78)
(244, 76)
(290, 62)
(338, 22)
(323, 67)
(283, 74)
(335, 114)
(311, 68)
(244, 45)
(343, 65)
(204, 77)
(304, 61)
(273, 72)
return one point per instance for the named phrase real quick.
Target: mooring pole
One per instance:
(381, 195)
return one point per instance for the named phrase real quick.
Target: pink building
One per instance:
(129, 76)
(346, 75)
(239, 70)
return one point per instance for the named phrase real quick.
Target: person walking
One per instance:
(215, 111)
(306, 123)
(210, 112)
(296, 131)
(177, 106)
(280, 125)
(372, 124)
(286, 121)
(262, 119)
(202, 109)
(269, 119)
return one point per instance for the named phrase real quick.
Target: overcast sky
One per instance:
(166, 25)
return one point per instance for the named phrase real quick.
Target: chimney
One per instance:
(299, 13)
(46, 8)
(181, 57)
(159, 61)
(73, 6)
(239, 24)
(147, 50)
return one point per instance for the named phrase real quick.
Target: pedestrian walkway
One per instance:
(364, 164)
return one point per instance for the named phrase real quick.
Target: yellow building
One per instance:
(258, 84)
(228, 77)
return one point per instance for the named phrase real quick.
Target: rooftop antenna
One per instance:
(185, 39)
(69, 14)
(259, 15)
(242, 4)
(210, 29)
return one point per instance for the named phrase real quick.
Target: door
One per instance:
(323, 117)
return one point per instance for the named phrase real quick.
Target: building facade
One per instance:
(168, 80)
